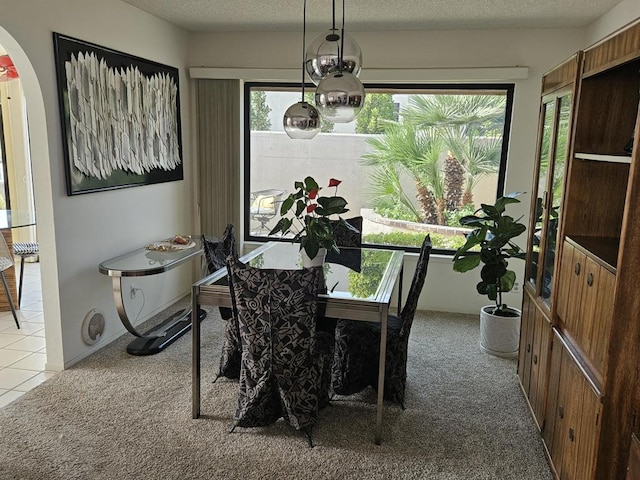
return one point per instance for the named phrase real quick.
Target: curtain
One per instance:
(218, 141)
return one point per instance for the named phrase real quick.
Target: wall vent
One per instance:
(93, 326)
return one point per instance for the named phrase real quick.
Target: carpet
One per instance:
(117, 416)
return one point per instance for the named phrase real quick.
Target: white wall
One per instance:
(619, 16)
(77, 233)
(461, 53)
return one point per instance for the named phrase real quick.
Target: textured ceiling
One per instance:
(362, 15)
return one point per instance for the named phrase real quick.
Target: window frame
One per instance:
(400, 88)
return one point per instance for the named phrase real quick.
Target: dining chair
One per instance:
(351, 257)
(6, 262)
(350, 238)
(216, 252)
(24, 250)
(281, 369)
(357, 349)
(264, 206)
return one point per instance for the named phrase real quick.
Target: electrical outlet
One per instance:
(133, 291)
(516, 287)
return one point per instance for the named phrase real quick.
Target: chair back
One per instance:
(217, 251)
(6, 259)
(276, 312)
(411, 304)
(349, 239)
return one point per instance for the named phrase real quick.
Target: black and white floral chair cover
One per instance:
(357, 349)
(281, 368)
(216, 252)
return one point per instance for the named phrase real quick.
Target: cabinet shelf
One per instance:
(602, 249)
(595, 157)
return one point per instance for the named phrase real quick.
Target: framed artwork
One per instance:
(120, 118)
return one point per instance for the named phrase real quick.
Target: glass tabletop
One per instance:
(145, 261)
(17, 218)
(362, 274)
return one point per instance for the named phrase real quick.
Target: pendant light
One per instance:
(302, 120)
(326, 50)
(340, 95)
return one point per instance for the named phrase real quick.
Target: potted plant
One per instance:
(491, 243)
(310, 221)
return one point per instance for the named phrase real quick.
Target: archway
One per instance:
(39, 147)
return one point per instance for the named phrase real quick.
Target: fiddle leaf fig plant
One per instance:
(491, 243)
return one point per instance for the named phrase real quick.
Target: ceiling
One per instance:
(365, 15)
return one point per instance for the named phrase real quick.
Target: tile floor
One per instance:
(22, 352)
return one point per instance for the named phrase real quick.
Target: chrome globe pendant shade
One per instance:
(340, 94)
(302, 120)
(340, 97)
(325, 51)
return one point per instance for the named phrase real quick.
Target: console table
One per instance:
(140, 263)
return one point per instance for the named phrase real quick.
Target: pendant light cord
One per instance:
(304, 38)
(341, 52)
(333, 10)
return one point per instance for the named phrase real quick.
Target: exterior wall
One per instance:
(310, 158)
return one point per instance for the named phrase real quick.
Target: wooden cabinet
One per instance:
(583, 262)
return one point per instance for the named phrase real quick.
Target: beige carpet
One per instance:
(116, 416)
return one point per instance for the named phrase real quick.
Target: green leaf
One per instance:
(286, 205)
(283, 225)
(331, 206)
(310, 184)
(466, 263)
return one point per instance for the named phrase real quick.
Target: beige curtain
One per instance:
(218, 139)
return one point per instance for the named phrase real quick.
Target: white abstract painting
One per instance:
(120, 119)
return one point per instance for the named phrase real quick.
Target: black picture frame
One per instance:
(120, 117)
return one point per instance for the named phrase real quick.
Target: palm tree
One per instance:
(471, 128)
(404, 149)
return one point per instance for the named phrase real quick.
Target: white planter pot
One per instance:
(499, 335)
(316, 261)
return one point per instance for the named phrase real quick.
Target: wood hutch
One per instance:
(579, 360)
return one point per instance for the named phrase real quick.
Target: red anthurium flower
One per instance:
(313, 193)
(334, 182)
(312, 207)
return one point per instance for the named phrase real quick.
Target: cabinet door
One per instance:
(585, 321)
(539, 366)
(545, 135)
(602, 318)
(554, 417)
(587, 433)
(555, 194)
(526, 343)
(576, 269)
(573, 412)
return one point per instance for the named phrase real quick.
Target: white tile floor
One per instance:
(22, 352)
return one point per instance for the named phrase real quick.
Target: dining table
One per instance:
(359, 287)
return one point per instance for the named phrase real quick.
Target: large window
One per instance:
(414, 161)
